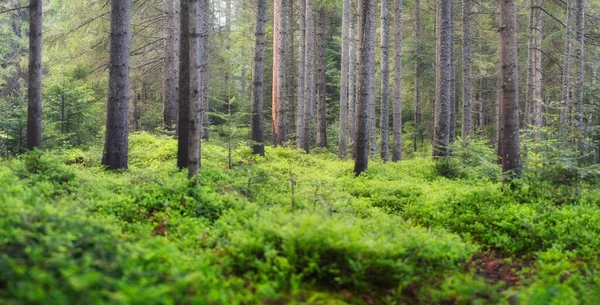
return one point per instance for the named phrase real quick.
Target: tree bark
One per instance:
(309, 73)
(117, 114)
(417, 115)
(344, 79)
(290, 70)
(321, 77)
(443, 81)
(366, 69)
(34, 90)
(566, 78)
(467, 119)
(384, 115)
(580, 36)
(183, 125)
(397, 108)
(196, 99)
(301, 74)
(278, 95)
(353, 63)
(204, 7)
(510, 153)
(171, 65)
(453, 107)
(258, 75)
(537, 67)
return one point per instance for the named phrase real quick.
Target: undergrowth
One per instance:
(290, 228)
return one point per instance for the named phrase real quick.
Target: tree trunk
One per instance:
(397, 109)
(278, 95)
(344, 82)
(204, 13)
(384, 115)
(352, 64)
(183, 125)
(34, 91)
(580, 53)
(510, 153)
(321, 77)
(417, 115)
(290, 73)
(257, 81)
(117, 114)
(301, 74)
(196, 102)
(537, 66)
(443, 80)
(171, 66)
(566, 79)
(366, 69)
(453, 107)
(309, 73)
(467, 119)
(372, 112)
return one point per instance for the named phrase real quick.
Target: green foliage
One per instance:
(71, 232)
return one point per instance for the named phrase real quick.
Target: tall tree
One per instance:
(509, 148)
(353, 63)
(344, 79)
(309, 73)
(278, 95)
(301, 74)
(453, 99)
(566, 78)
(580, 36)
(397, 109)
(321, 79)
(183, 125)
(34, 91)
(204, 65)
(364, 82)
(116, 146)
(258, 75)
(441, 138)
(467, 125)
(418, 50)
(536, 73)
(384, 115)
(196, 100)
(171, 64)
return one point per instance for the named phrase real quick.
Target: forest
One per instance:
(319, 152)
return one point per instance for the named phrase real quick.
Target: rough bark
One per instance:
(372, 110)
(34, 90)
(384, 115)
(467, 119)
(278, 93)
(397, 108)
(580, 53)
(321, 80)
(537, 67)
(443, 81)
(204, 65)
(257, 79)
(510, 153)
(117, 113)
(171, 65)
(196, 101)
(290, 70)
(353, 60)
(566, 78)
(453, 107)
(366, 68)
(183, 125)
(417, 115)
(301, 74)
(309, 73)
(344, 79)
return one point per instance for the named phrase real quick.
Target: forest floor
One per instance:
(291, 228)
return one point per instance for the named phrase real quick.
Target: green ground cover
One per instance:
(290, 228)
